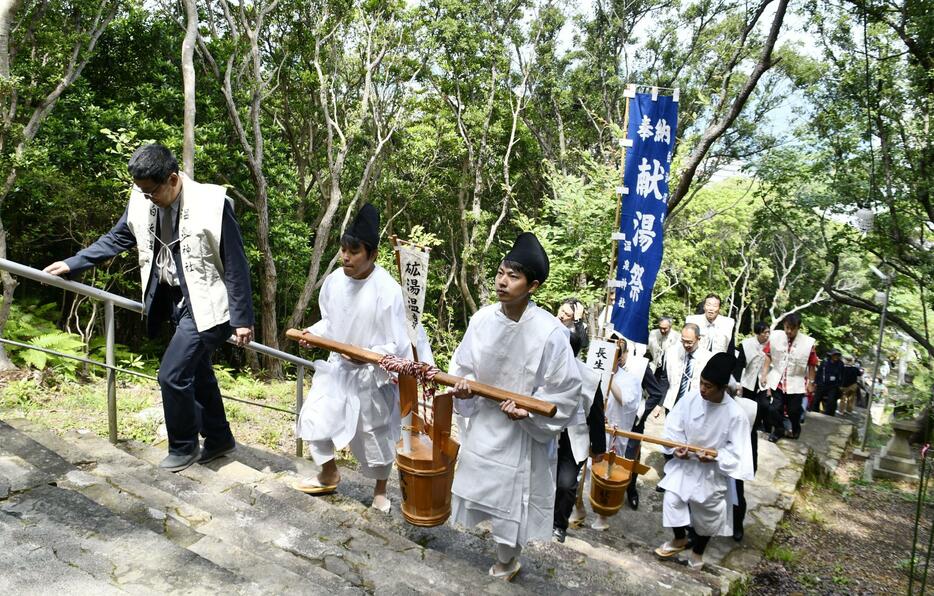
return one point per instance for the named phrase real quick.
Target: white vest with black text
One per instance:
(200, 217)
(789, 362)
(714, 336)
(754, 359)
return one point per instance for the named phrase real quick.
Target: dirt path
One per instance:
(847, 538)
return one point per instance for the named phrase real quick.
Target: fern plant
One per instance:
(67, 343)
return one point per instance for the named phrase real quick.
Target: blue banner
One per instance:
(652, 127)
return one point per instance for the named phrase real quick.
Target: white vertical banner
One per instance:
(413, 276)
(600, 357)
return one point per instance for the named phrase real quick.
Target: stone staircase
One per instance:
(79, 514)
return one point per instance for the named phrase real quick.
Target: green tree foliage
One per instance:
(467, 122)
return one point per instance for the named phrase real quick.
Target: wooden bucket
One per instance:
(426, 472)
(608, 481)
(425, 483)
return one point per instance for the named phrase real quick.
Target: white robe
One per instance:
(621, 407)
(696, 492)
(351, 403)
(506, 468)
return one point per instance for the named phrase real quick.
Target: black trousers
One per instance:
(827, 397)
(191, 398)
(739, 510)
(568, 474)
(779, 401)
(634, 451)
(762, 421)
(698, 542)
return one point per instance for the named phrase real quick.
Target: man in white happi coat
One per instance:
(697, 486)
(660, 339)
(683, 364)
(353, 402)
(788, 373)
(716, 330)
(751, 393)
(506, 468)
(750, 356)
(194, 273)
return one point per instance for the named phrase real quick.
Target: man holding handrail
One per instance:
(194, 272)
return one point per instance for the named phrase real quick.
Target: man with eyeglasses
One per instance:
(683, 363)
(194, 272)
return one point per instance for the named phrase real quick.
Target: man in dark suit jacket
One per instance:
(194, 272)
(829, 381)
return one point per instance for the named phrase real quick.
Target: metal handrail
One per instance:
(110, 300)
(72, 286)
(118, 369)
(117, 300)
(127, 371)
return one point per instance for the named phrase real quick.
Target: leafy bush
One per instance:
(35, 324)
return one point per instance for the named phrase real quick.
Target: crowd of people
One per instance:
(517, 471)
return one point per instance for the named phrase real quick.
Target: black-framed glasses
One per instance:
(148, 195)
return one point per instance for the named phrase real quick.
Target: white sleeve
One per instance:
(674, 425)
(462, 365)
(735, 458)
(322, 327)
(558, 381)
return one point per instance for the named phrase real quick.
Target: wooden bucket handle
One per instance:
(663, 442)
(535, 406)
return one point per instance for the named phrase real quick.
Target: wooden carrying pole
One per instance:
(536, 406)
(663, 442)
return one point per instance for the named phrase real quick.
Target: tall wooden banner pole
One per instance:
(620, 193)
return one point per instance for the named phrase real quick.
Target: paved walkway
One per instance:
(768, 497)
(91, 517)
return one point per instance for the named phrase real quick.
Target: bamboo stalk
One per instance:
(611, 292)
(536, 406)
(663, 442)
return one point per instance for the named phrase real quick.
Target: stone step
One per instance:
(122, 483)
(101, 548)
(590, 564)
(16, 473)
(33, 566)
(244, 504)
(362, 530)
(550, 565)
(238, 513)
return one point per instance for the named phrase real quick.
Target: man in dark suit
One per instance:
(194, 272)
(829, 381)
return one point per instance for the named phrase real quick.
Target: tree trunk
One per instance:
(9, 284)
(188, 82)
(252, 144)
(270, 278)
(7, 280)
(718, 127)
